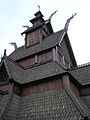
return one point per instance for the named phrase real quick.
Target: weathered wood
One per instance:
(41, 87)
(54, 55)
(65, 80)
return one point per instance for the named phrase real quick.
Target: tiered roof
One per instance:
(52, 104)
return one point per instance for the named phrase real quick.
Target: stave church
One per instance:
(41, 79)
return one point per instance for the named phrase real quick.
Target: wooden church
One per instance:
(41, 80)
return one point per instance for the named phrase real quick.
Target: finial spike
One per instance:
(38, 7)
(4, 56)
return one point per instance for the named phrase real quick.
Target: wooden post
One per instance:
(57, 54)
(65, 81)
(36, 59)
(63, 60)
(54, 55)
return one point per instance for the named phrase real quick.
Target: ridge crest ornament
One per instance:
(68, 21)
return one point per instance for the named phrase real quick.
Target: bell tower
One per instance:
(40, 29)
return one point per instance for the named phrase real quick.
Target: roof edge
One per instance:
(5, 109)
(76, 102)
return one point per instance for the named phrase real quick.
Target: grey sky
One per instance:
(15, 13)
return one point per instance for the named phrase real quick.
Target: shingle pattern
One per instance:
(15, 71)
(84, 105)
(86, 99)
(56, 104)
(35, 73)
(47, 43)
(13, 108)
(3, 101)
(50, 105)
(82, 74)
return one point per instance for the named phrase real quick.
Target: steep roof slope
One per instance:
(55, 105)
(47, 43)
(13, 108)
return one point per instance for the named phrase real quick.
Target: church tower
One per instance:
(40, 29)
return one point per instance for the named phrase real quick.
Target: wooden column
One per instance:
(65, 81)
(54, 54)
(36, 59)
(57, 54)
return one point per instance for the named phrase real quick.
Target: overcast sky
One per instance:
(15, 13)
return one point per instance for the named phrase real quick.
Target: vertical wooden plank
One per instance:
(66, 82)
(57, 54)
(54, 54)
(59, 84)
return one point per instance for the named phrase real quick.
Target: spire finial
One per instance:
(38, 7)
(4, 56)
(68, 21)
(5, 52)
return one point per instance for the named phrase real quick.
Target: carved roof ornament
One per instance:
(25, 26)
(14, 44)
(68, 21)
(52, 15)
(66, 28)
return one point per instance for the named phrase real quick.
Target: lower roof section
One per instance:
(38, 72)
(52, 105)
(82, 74)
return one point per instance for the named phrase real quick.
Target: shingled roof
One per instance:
(49, 42)
(12, 112)
(56, 104)
(48, 105)
(38, 72)
(82, 74)
(3, 101)
(48, 69)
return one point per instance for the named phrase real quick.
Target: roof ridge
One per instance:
(76, 102)
(80, 66)
(84, 65)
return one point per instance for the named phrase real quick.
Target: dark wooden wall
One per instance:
(17, 89)
(33, 38)
(43, 57)
(74, 88)
(27, 62)
(45, 85)
(41, 87)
